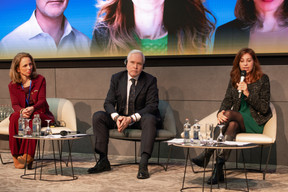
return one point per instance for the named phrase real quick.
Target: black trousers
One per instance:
(102, 122)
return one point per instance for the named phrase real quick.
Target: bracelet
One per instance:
(21, 110)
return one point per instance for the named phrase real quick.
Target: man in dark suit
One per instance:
(132, 101)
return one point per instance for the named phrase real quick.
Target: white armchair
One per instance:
(62, 109)
(267, 138)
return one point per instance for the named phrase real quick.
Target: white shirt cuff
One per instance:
(113, 115)
(136, 117)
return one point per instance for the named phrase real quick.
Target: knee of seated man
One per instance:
(99, 115)
(148, 118)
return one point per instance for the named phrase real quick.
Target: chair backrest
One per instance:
(63, 110)
(270, 128)
(167, 117)
(212, 119)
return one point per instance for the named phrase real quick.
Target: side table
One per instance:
(51, 138)
(216, 147)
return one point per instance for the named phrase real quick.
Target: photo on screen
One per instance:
(109, 28)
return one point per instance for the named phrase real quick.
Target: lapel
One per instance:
(123, 87)
(140, 84)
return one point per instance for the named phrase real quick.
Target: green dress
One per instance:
(250, 124)
(153, 46)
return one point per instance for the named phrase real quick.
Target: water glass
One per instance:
(209, 130)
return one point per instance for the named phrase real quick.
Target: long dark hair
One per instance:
(256, 72)
(245, 11)
(191, 34)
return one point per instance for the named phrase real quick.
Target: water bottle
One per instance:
(21, 125)
(187, 128)
(36, 124)
(196, 129)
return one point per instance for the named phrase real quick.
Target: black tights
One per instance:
(234, 124)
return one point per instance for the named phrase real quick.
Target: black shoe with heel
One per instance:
(101, 166)
(143, 172)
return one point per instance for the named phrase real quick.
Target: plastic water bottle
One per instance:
(21, 125)
(36, 123)
(196, 129)
(187, 129)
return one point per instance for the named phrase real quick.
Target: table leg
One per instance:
(70, 157)
(212, 169)
(54, 157)
(36, 160)
(187, 156)
(25, 165)
(245, 171)
(60, 156)
(42, 159)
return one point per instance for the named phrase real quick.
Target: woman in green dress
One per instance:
(245, 108)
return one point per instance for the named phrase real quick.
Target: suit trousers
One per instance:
(102, 122)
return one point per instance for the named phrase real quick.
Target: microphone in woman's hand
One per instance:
(242, 78)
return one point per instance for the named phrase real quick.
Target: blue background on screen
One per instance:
(82, 14)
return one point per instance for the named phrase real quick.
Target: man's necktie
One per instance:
(131, 98)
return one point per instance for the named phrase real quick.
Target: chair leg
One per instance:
(4, 163)
(236, 152)
(158, 152)
(135, 147)
(1, 159)
(261, 154)
(267, 161)
(168, 158)
(90, 138)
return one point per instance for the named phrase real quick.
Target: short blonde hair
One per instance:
(14, 74)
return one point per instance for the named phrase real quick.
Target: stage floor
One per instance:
(123, 178)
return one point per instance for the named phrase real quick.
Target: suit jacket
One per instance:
(258, 99)
(38, 95)
(231, 37)
(146, 99)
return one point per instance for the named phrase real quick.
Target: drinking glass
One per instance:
(27, 131)
(209, 130)
(220, 138)
(48, 131)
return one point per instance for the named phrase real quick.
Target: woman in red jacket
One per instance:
(28, 97)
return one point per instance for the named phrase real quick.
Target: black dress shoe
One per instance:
(143, 172)
(101, 166)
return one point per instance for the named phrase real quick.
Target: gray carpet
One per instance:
(123, 178)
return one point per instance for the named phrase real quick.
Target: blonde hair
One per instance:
(14, 74)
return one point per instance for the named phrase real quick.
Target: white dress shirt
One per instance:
(29, 37)
(136, 116)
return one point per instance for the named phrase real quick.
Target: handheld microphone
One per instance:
(242, 78)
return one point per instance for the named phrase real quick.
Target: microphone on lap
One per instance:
(242, 78)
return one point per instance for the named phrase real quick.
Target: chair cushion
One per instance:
(135, 134)
(254, 138)
(4, 127)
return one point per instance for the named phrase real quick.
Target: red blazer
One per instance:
(38, 95)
